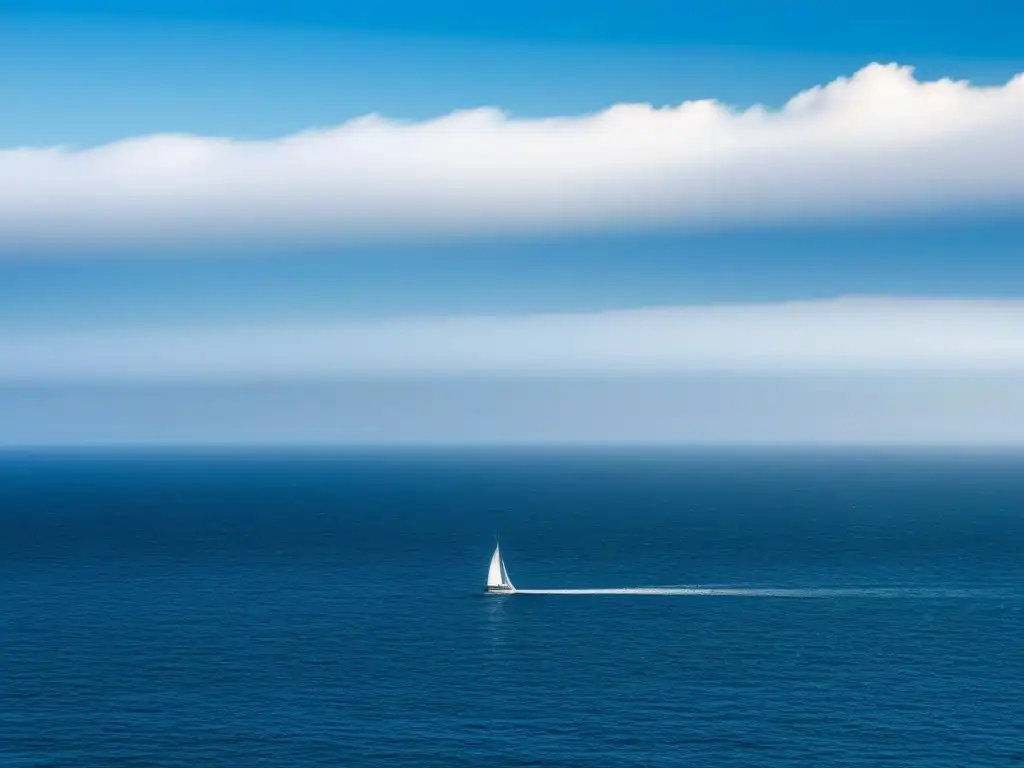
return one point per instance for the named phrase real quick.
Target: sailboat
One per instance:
(498, 581)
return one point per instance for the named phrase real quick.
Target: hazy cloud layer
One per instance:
(877, 144)
(961, 409)
(836, 335)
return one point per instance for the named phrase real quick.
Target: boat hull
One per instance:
(499, 590)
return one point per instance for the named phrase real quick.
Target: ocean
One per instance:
(325, 609)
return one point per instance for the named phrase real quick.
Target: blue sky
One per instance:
(86, 72)
(978, 28)
(936, 221)
(976, 258)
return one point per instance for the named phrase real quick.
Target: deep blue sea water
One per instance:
(325, 609)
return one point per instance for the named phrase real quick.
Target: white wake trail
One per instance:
(816, 592)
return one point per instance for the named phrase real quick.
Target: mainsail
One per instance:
(497, 576)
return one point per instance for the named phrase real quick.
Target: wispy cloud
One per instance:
(836, 335)
(879, 143)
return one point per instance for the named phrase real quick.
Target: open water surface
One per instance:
(319, 609)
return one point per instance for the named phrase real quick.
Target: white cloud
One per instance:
(842, 335)
(879, 143)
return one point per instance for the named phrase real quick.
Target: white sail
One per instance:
(497, 576)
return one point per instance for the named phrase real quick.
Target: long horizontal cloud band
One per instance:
(834, 335)
(877, 144)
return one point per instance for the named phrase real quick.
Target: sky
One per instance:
(741, 222)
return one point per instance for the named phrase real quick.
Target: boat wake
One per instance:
(498, 583)
(821, 592)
